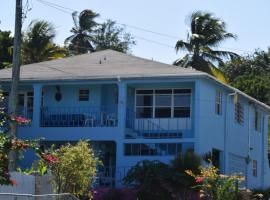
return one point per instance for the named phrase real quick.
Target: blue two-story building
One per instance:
(133, 109)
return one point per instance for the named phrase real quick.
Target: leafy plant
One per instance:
(73, 168)
(214, 186)
(150, 178)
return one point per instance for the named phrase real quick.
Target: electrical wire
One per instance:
(70, 11)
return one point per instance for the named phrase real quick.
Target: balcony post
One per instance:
(37, 105)
(122, 105)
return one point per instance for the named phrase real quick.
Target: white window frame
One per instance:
(218, 102)
(154, 100)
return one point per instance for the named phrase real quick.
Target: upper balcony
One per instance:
(78, 117)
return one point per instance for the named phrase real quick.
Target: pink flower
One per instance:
(50, 158)
(199, 180)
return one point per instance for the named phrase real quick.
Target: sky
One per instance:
(248, 19)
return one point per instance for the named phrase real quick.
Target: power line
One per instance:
(70, 11)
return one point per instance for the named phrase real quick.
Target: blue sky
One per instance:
(248, 19)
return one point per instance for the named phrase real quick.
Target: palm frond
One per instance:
(180, 44)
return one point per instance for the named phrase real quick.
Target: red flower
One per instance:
(199, 180)
(20, 120)
(13, 182)
(50, 158)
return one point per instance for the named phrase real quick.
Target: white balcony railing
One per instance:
(78, 117)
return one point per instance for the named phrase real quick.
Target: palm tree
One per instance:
(84, 28)
(38, 46)
(206, 34)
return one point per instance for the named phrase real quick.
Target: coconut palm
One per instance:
(84, 28)
(37, 45)
(206, 34)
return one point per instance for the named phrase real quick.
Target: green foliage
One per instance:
(206, 34)
(81, 40)
(37, 44)
(74, 168)
(156, 180)
(150, 177)
(6, 43)
(110, 36)
(251, 75)
(215, 186)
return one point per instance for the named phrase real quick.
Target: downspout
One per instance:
(262, 153)
(249, 148)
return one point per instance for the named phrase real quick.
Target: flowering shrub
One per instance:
(214, 186)
(10, 144)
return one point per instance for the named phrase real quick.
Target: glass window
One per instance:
(182, 100)
(218, 101)
(163, 103)
(144, 91)
(257, 121)
(172, 149)
(239, 113)
(254, 168)
(136, 150)
(163, 91)
(182, 91)
(152, 149)
(181, 112)
(161, 112)
(128, 151)
(144, 112)
(144, 100)
(83, 95)
(163, 100)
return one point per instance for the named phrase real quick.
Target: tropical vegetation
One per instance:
(81, 40)
(206, 34)
(110, 36)
(250, 74)
(6, 43)
(73, 168)
(37, 44)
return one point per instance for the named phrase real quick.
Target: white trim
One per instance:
(172, 100)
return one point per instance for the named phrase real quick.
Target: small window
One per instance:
(239, 113)
(254, 168)
(83, 95)
(257, 121)
(218, 101)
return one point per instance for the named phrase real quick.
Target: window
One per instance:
(254, 168)
(163, 103)
(83, 95)
(257, 121)
(218, 101)
(153, 149)
(239, 113)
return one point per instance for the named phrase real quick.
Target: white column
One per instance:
(37, 105)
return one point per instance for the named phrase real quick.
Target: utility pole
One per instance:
(13, 97)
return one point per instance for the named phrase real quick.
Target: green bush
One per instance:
(74, 168)
(151, 179)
